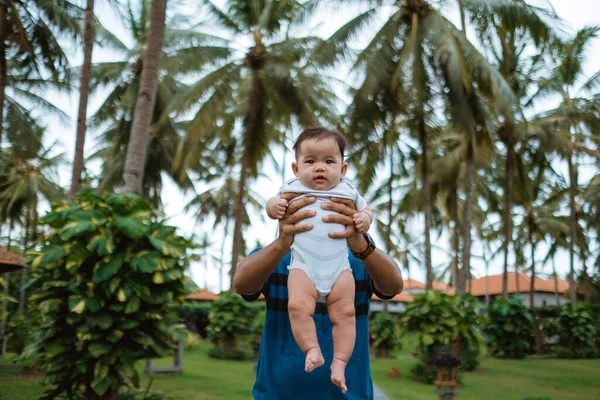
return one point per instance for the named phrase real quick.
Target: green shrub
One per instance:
(109, 273)
(578, 332)
(385, 333)
(195, 316)
(230, 322)
(509, 332)
(439, 319)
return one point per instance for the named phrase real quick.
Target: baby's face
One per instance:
(319, 164)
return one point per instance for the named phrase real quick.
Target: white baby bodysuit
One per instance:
(322, 258)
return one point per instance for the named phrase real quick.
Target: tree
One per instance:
(254, 94)
(505, 28)
(421, 60)
(115, 115)
(565, 129)
(28, 35)
(84, 89)
(136, 149)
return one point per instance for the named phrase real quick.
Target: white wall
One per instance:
(394, 307)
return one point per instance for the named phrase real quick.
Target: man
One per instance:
(280, 374)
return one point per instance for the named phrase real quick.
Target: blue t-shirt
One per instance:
(280, 373)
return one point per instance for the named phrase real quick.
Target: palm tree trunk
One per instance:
(3, 67)
(455, 239)
(225, 233)
(573, 226)
(21, 308)
(463, 24)
(556, 299)
(426, 194)
(508, 174)
(84, 89)
(4, 312)
(144, 107)
(251, 132)
(532, 279)
(467, 214)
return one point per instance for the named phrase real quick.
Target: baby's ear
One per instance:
(295, 168)
(344, 168)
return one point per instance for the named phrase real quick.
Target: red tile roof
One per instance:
(495, 284)
(10, 261)
(202, 295)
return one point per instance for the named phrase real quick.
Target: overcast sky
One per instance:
(575, 13)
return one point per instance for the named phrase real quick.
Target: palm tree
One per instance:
(29, 35)
(114, 117)
(566, 128)
(28, 174)
(253, 93)
(504, 28)
(136, 150)
(421, 60)
(84, 90)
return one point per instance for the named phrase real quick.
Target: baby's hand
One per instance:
(362, 222)
(278, 208)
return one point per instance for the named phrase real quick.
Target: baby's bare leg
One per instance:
(340, 307)
(301, 307)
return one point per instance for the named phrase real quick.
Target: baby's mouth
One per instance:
(320, 179)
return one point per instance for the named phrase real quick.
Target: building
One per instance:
(518, 285)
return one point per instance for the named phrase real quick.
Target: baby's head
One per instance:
(320, 158)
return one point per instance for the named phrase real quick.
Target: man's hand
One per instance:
(287, 224)
(345, 215)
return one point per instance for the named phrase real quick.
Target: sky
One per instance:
(575, 14)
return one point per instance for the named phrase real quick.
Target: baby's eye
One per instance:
(310, 162)
(330, 161)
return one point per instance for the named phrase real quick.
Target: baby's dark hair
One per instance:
(320, 133)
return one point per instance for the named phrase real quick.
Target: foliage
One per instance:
(510, 328)
(110, 271)
(385, 333)
(440, 319)
(230, 320)
(195, 316)
(21, 329)
(579, 332)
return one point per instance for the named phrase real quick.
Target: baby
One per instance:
(320, 269)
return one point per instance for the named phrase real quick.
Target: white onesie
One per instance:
(322, 258)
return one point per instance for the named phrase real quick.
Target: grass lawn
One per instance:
(208, 379)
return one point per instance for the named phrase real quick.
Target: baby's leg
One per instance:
(340, 307)
(301, 306)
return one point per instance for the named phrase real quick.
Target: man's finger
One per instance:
(289, 196)
(298, 204)
(339, 208)
(338, 219)
(293, 229)
(299, 216)
(349, 231)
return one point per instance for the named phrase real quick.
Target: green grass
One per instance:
(208, 379)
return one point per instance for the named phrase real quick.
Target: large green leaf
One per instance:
(135, 226)
(99, 349)
(74, 228)
(165, 247)
(101, 244)
(107, 269)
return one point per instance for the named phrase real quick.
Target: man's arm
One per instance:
(252, 272)
(384, 271)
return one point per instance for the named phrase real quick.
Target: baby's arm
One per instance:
(276, 207)
(363, 219)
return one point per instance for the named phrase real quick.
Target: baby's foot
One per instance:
(338, 377)
(314, 359)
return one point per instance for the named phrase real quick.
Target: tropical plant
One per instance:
(439, 319)
(579, 331)
(253, 94)
(230, 320)
(509, 332)
(110, 272)
(385, 333)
